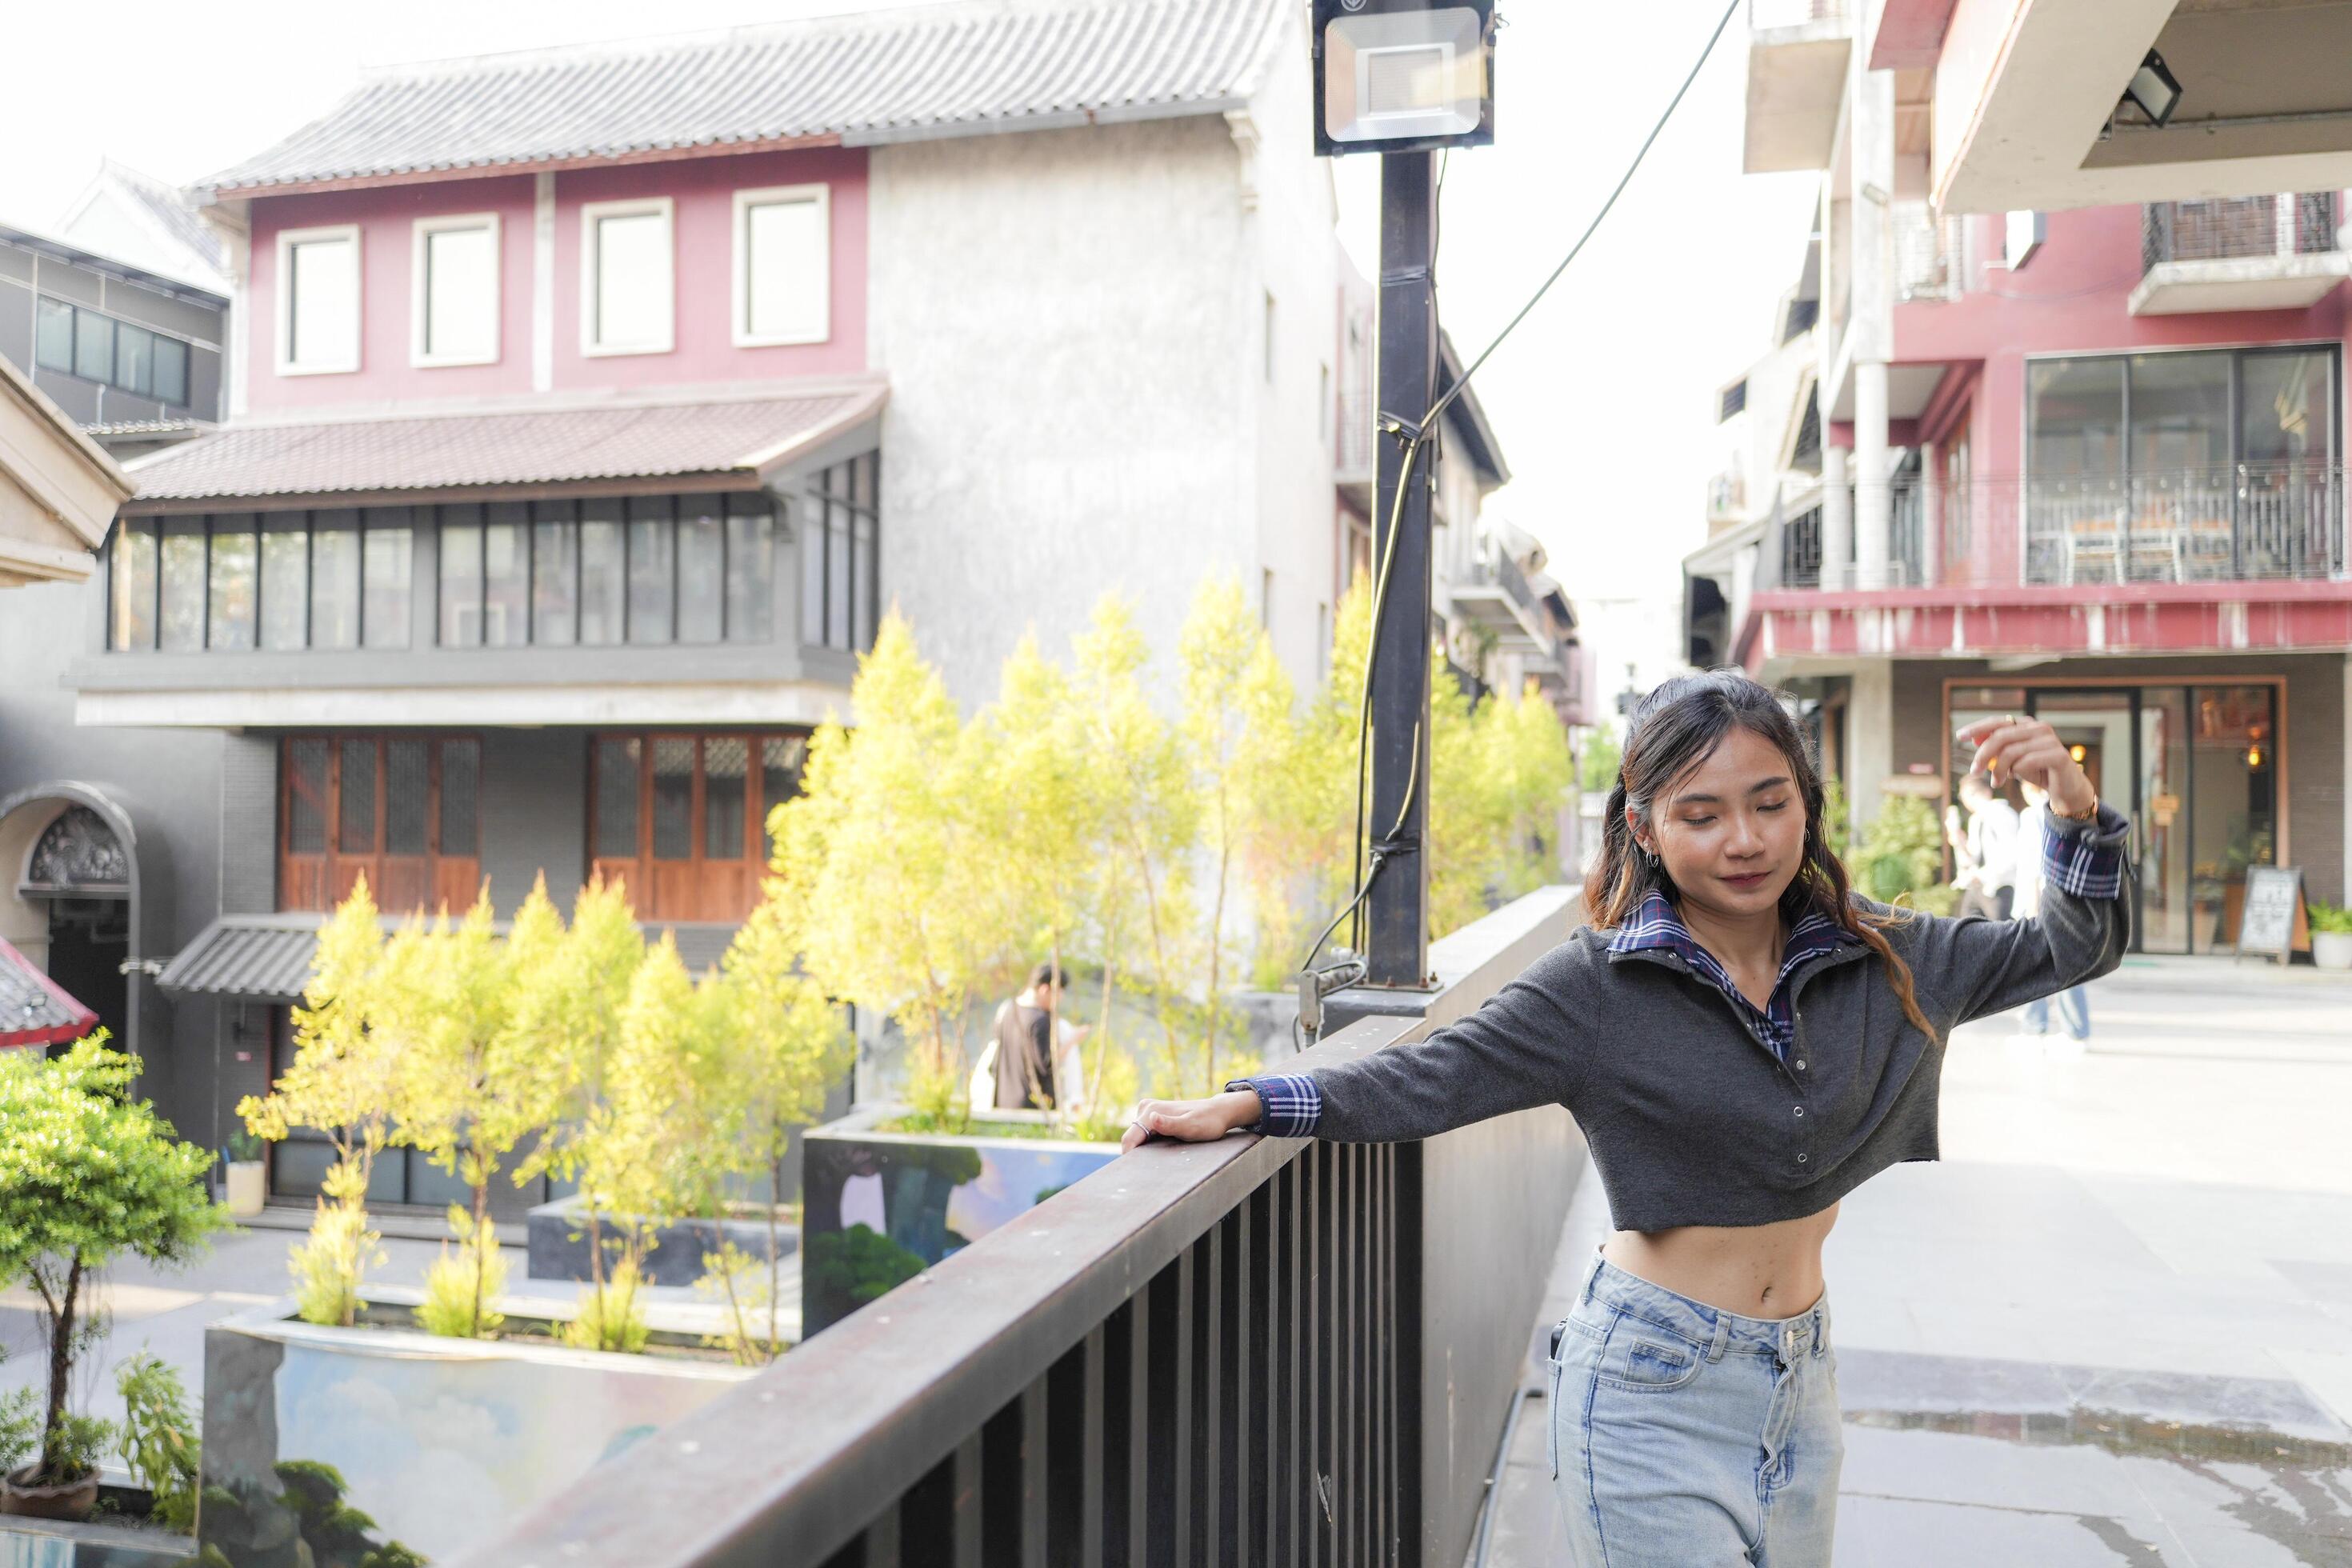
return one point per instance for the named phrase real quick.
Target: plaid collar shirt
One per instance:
(1655, 925)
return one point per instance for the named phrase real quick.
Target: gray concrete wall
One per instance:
(1073, 325)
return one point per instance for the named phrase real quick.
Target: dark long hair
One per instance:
(1673, 730)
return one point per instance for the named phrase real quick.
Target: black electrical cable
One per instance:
(1419, 438)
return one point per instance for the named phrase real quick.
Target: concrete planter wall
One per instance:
(45, 1543)
(557, 1235)
(880, 1207)
(441, 1442)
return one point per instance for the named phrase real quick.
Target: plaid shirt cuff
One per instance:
(2086, 858)
(1292, 1103)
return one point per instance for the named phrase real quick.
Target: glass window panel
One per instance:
(632, 280)
(555, 574)
(751, 571)
(2074, 418)
(134, 359)
(506, 575)
(235, 574)
(785, 269)
(323, 316)
(603, 572)
(355, 812)
(616, 798)
(2287, 411)
(461, 576)
(183, 583)
(387, 575)
(134, 586)
(866, 590)
(2162, 820)
(726, 791)
(2234, 796)
(461, 787)
(405, 797)
(306, 796)
(2179, 415)
(808, 543)
(285, 579)
(650, 565)
(461, 293)
(702, 568)
(673, 799)
(53, 335)
(170, 370)
(93, 346)
(335, 578)
(837, 571)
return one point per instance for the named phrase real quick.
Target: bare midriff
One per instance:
(1757, 1270)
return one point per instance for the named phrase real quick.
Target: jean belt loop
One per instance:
(1820, 1332)
(1722, 1340)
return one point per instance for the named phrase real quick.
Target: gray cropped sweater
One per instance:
(1692, 1118)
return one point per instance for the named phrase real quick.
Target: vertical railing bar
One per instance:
(1135, 1503)
(1093, 1431)
(882, 1540)
(1034, 1475)
(1376, 1458)
(1343, 1391)
(1319, 1515)
(1260, 1391)
(968, 1520)
(1233, 1475)
(1207, 1385)
(1359, 1383)
(1167, 1476)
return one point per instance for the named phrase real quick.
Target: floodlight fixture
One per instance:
(2153, 91)
(1404, 76)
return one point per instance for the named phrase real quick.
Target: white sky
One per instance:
(1602, 401)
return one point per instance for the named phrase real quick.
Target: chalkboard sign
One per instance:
(2274, 903)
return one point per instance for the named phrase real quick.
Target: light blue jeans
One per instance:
(1684, 1437)
(2073, 1011)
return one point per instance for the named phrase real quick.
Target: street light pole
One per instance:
(1398, 938)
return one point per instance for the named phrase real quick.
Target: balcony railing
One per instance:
(1259, 1350)
(2244, 522)
(1928, 253)
(1353, 459)
(2237, 228)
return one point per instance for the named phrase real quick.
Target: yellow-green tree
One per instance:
(886, 856)
(342, 1083)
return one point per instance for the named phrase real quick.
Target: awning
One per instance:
(266, 958)
(708, 442)
(35, 1010)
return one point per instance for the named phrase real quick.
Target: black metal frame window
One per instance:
(607, 570)
(77, 341)
(337, 577)
(840, 549)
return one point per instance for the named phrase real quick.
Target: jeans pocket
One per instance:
(1648, 1363)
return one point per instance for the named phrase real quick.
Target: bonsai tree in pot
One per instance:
(87, 1174)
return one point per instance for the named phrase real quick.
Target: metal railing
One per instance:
(2241, 523)
(1352, 450)
(1765, 15)
(1258, 1350)
(2236, 227)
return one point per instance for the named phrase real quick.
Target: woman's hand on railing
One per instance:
(1193, 1121)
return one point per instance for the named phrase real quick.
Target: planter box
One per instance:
(877, 1208)
(557, 1235)
(245, 1187)
(441, 1442)
(2331, 949)
(45, 1543)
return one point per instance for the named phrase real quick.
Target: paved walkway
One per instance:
(2114, 1325)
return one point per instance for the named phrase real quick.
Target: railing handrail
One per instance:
(2230, 228)
(792, 1464)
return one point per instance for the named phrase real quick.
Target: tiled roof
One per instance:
(35, 1009)
(549, 444)
(937, 71)
(266, 958)
(171, 210)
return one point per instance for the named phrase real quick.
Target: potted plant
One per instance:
(243, 1184)
(85, 1174)
(2331, 935)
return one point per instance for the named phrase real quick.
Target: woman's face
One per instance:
(1732, 831)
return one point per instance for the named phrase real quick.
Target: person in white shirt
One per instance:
(1987, 850)
(2074, 1002)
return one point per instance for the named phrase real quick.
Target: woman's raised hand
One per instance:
(1191, 1120)
(2030, 749)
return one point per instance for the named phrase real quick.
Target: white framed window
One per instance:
(628, 278)
(783, 265)
(319, 301)
(453, 308)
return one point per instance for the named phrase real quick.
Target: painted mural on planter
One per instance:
(881, 1207)
(370, 1448)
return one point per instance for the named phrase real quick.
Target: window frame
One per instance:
(287, 240)
(656, 891)
(420, 350)
(821, 195)
(75, 312)
(314, 874)
(592, 214)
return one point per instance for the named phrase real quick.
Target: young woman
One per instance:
(1743, 1042)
